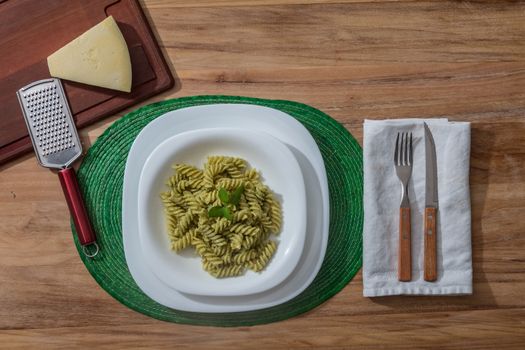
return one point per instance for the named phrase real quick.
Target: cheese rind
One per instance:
(98, 57)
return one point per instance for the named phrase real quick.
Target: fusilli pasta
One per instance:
(226, 247)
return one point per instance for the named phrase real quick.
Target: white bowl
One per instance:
(279, 170)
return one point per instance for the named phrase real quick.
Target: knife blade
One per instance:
(431, 207)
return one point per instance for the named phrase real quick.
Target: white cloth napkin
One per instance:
(382, 196)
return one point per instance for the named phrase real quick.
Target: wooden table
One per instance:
(352, 60)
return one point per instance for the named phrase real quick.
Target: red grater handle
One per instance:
(68, 180)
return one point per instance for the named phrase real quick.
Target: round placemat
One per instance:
(101, 178)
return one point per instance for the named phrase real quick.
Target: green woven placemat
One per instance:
(101, 178)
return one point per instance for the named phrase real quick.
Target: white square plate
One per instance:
(279, 170)
(251, 117)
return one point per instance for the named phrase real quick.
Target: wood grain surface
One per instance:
(353, 60)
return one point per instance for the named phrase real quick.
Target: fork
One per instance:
(403, 164)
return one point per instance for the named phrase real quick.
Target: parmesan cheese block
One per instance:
(98, 57)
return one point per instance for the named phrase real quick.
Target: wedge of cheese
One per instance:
(98, 57)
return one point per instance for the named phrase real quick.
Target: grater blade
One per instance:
(50, 123)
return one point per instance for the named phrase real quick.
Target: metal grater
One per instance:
(50, 123)
(57, 145)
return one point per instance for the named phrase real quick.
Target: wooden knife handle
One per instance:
(430, 273)
(404, 268)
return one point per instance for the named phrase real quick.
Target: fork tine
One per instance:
(404, 148)
(396, 151)
(407, 149)
(410, 151)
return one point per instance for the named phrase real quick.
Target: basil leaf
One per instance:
(216, 212)
(226, 213)
(235, 197)
(224, 196)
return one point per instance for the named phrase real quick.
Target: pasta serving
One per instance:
(225, 212)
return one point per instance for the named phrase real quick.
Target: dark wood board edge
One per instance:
(167, 80)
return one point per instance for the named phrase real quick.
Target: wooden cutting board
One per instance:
(31, 30)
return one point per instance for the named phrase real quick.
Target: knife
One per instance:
(431, 207)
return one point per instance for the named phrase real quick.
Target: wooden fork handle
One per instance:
(430, 273)
(404, 268)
